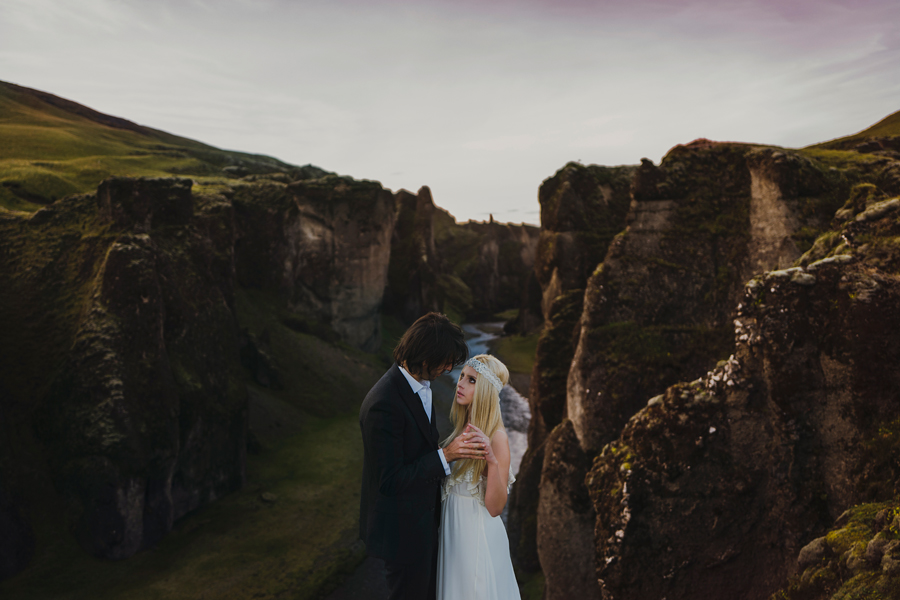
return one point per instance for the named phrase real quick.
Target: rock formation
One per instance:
(413, 275)
(125, 357)
(582, 209)
(714, 487)
(324, 243)
(658, 309)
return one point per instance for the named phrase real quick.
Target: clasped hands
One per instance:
(470, 444)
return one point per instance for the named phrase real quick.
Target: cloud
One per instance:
(479, 99)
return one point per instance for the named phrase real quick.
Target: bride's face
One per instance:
(465, 387)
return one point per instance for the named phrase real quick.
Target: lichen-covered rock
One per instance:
(658, 309)
(859, 558)
(713, 489)
(125, 358)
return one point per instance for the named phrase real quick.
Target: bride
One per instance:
(473, 556)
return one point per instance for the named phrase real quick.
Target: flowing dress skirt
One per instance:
(473, 557)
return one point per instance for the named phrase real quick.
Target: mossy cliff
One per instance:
(152, 336)
(857, 558)
(658, 309)
(713, 487)
(121, 350)
(582, 209)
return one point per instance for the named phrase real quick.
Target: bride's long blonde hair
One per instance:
(483, 413)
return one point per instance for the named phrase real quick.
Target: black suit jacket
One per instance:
(399, 510)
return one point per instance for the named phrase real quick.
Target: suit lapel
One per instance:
(414, 403)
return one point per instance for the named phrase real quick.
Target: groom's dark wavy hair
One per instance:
(430, 343)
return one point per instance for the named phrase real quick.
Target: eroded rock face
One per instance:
(658, 308)
(324, 243)
(712, 489)
(582, 209)
(414, 270)
(565, 518)
(124, 300)
(339, 251)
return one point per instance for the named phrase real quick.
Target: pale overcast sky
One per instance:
(479, 100)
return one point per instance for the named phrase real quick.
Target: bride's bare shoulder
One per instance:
(500, 437)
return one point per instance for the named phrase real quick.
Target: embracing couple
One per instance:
(431, 509)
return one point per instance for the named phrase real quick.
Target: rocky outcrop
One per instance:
(565, 518)
(714, 487)
(125, 307)
(858, 558)
(414, 272)
(582, 209)
(323, 243)
(658, 308)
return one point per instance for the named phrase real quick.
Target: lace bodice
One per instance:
(466, 485)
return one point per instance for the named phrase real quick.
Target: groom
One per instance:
(403, 466)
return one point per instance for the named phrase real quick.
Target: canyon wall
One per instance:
(714, 486)
(658, 309)
(123, 390)
(582, 209)
(325, 244)
(469, 270)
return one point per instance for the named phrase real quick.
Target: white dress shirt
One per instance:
(423, 390)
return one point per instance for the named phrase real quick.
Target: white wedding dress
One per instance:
(473, 557)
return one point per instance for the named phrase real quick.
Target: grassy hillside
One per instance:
(885, 128)
(51, 147)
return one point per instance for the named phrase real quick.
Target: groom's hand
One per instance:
(465, 445)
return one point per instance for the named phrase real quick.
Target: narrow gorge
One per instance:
(713, 400)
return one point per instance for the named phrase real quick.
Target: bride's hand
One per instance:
(465, 445)
(483, 439)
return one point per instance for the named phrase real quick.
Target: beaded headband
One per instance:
(486, 372)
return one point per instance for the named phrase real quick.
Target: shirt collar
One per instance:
(413, 383)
